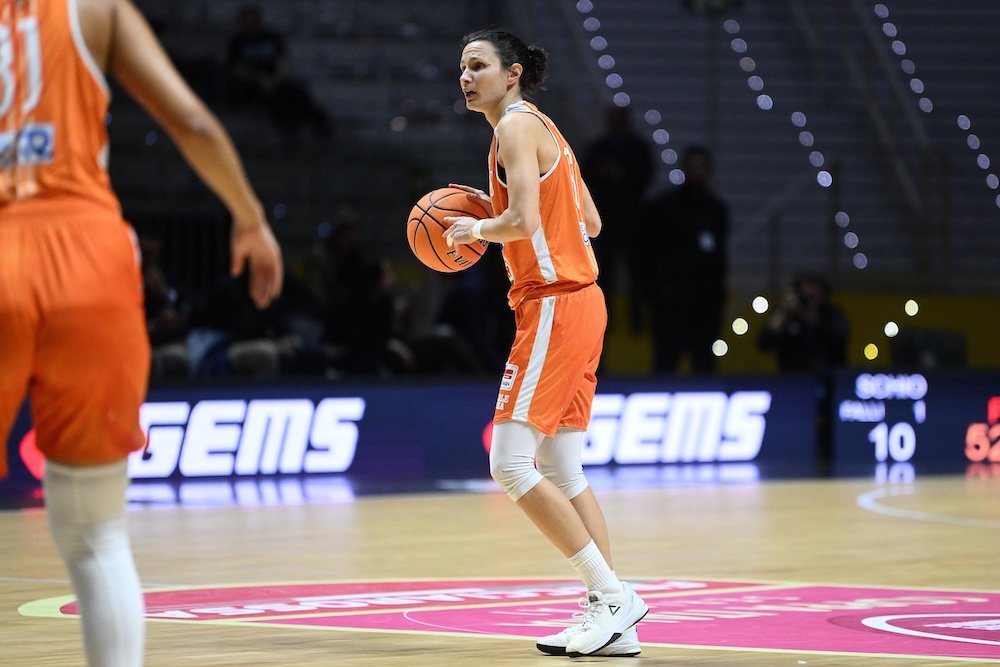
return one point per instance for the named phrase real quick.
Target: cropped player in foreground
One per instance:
(544, 216)
(71, 316)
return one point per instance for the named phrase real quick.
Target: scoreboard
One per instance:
(899, 424)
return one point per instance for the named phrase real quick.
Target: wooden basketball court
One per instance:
(932, 533)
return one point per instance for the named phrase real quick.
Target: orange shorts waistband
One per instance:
(59, 210)
(554, 291)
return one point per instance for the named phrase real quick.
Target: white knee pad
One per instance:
(79, 497)
(86, 510)
(512, 458)
(560, 460)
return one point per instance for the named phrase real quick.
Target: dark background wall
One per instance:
(882, 89)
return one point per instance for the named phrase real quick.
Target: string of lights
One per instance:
(925, 104)
(807, 139)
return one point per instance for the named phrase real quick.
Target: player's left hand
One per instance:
(476, 195)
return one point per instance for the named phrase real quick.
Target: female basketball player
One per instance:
(544, 216)
(71, 317)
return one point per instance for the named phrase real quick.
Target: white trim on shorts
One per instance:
(539, 351)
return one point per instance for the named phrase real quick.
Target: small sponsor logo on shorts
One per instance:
(502, 401)
(509, 375)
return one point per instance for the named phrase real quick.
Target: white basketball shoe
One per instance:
(626, 646)
(606, 618)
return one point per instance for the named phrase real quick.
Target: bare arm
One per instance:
(132, 54)
(591, 217)
(141, 65)
(525, 146)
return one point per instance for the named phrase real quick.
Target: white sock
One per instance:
(86, 509)
(589, 563)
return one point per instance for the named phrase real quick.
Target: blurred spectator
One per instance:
(807, 332)
(168, 313)
(343, 261)
(683, 257)
(231, 338)
(474, 330)
(617, 169)
(366, 323)
(364, 319)
(257, 71)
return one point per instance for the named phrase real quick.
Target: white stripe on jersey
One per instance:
(539, 350)
(543, 256)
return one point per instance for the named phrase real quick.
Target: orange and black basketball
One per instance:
(426, 225)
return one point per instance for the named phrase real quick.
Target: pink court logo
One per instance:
(709, 614)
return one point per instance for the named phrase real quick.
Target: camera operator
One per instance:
(807, 332)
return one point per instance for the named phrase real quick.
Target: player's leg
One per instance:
(512, 454)
(86, 509)
(611, 611)
(557, 337)
(555, 340)
(511, 464)
(560, 460)
(88, 386)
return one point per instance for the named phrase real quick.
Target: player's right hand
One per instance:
(460, 230)
(255, 245)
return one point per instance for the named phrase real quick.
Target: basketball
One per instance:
(426, 225)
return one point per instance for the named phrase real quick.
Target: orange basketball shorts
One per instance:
(551, 374)
(72, 336)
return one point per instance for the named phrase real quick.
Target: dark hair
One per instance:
(511, 49)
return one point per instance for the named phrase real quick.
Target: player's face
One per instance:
(485, 83)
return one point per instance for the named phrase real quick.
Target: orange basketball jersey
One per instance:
(72, 331)
(53, 104)
(558, 257)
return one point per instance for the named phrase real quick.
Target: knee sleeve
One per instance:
(560, 460)
(86, 510)
(512, 458)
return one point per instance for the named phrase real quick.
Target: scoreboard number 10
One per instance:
(898, 442)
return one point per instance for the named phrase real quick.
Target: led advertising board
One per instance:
(441, 430)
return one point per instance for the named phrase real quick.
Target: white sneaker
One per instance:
(556, 644)
(625, 646)
(605, 619)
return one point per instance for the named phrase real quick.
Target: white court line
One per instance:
(869, 501)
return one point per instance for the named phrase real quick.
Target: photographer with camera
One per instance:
(807, 332)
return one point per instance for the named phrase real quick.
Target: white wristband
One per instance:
(477, 230)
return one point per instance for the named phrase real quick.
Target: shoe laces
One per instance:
(578, 617)
(582, 603)
(592, 605)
